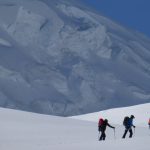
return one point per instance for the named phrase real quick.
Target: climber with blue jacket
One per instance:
(128, 123)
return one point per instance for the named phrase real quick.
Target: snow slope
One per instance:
(116, 116)
(60, 57)
(22, 130)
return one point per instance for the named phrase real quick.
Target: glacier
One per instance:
(61, 57)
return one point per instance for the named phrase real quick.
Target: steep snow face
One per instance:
(58, 57)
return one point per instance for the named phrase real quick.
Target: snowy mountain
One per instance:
(22, 130)
(60, 57)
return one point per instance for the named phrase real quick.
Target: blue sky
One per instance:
(134, 14)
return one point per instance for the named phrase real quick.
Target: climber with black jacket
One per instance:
(103, 129)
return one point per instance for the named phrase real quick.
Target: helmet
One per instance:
(132, 116)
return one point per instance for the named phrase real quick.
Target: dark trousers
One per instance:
(130, 131)
(103, 136)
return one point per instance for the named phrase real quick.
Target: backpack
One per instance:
(101, 121)
(126, 121)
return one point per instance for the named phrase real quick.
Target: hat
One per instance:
(106, 120)
(132, 116)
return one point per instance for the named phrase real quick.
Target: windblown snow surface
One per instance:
(60, 57)
(28, 131)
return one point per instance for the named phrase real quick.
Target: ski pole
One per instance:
(114, 134)
(134, 132)
(98, 135)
